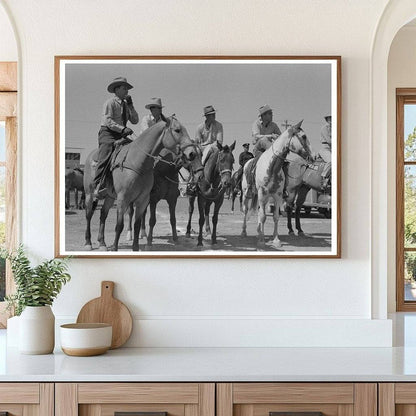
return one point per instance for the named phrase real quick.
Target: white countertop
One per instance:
(213, 364)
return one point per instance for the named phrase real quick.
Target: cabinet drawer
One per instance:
(106, 399)
(296, 399)
(21, 399)
(397, 399)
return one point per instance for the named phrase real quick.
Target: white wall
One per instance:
(179, 302)
(8, 47)
(401, 74)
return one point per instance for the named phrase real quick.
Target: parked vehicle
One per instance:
(319, 201)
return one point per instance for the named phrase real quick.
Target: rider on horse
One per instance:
(264, 132)
(325, 151)
(155, 106)
(244, 157)
(116, 112)
(208, 133)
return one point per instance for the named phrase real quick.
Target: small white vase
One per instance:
(37, 330)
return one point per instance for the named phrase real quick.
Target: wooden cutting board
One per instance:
(107, 309)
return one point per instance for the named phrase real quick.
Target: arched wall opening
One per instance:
(397, 14)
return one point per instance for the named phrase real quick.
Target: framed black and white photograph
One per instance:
(198, 156)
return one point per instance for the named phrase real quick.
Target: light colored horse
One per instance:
(269, 179)
(132, 177)
(301, 177)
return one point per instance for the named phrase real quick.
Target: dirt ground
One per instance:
(317, 231)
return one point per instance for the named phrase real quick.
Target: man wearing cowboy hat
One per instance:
(209, 132)
(326, 151)
(264, 130)
(155, 106)
(117, 111)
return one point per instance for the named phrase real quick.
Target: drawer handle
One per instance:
(139, 414)
(296, 414)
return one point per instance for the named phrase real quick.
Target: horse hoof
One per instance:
(276, 244)
(243, 233)
(102, 247)
(188, 235)
(301, 234)
(135, 248)
(88, 247)
(291, 232)
(111, 248)
(199, 244)
(214, 242)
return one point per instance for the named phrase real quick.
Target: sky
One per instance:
(2, 141)
(409, 119)
(295, 91)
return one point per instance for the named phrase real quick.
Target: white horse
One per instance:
(269, 179)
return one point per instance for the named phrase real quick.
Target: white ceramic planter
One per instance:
(37, 330)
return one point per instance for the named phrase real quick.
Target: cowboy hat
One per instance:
(209, 109)
(247, 145)
(264, 109)
(327, 118)
(117, 82)
(154, 102)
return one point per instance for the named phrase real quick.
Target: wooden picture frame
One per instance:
(236, 88)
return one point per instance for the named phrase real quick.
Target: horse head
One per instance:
(176, 138)
(301, 146)
(225, 163)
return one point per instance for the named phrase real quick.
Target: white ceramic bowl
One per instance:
(83, 340)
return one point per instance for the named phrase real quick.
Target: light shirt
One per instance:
(205, 136)
(259, 130)
(146, 122)
(113, 114)
(326, 136)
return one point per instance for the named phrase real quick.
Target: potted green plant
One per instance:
(36, 289)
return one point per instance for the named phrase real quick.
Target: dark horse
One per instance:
(165, 186)
(131, 177)
(301, 177)
(236, 190)
(74, 180)
(211, 188)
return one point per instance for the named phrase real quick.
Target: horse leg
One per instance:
(207, 226)
(217, 207)
(108, 203)
(246, 211)
(76, 198)
(82, 203)
(241, 199)
(89, 211)
(172, 215)
(140, 206)
(303, 191)
(289, 208)
(201, 209)
(67, 199)
(143, 233)
(233, 196)
(190, 212)
(261, 217)
(152, 222)
(121, 209)
(276, 214)
(129, 235)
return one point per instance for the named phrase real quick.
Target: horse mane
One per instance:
(210, 164)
